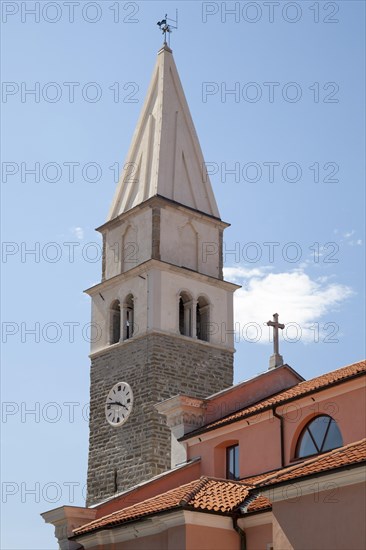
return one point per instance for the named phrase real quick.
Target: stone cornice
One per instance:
(163, 202)
(163, 266)
(65, 519)
(183, 413)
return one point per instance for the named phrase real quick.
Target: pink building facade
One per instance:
(283, 497)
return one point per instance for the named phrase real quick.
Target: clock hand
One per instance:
(119, 404)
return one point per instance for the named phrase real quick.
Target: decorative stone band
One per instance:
(183, 413)
(65, 519)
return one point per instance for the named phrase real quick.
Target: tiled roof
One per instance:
(259, 504)
(253, 480)
(218, 495)
(224, 496)
(204, 494)
(300, 390)
(137, 492)
(348, 455)
(166, 501)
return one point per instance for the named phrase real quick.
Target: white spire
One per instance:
(165, 156)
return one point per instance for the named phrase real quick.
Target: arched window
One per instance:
(128, 317)
(185, 314)
(115, 322)
(320, 435)
(202, 318)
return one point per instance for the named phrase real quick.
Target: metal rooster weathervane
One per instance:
(166, 25)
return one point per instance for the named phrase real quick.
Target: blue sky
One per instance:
(293, 130)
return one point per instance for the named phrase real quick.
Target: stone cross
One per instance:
(276, 360)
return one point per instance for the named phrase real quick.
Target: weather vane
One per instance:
(166, 25)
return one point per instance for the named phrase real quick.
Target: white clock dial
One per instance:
(119, 403)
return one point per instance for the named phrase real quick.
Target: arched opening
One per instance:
(185, 314)
(115, 322)
(128, 317)
(320, 435)
(202, 319)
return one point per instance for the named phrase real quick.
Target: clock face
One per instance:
(119, 403)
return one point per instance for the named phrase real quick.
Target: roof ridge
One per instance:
(233, 481)
(362, 362)
(191, 494)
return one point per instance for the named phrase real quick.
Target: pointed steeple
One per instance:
(165, 156)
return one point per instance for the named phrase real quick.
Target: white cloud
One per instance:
(78, 232)
(351, 242)
(237, 274)
(299, 300)
(358, 242)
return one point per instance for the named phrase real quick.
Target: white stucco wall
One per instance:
(175, 249)
(129, 243)
(156, 303)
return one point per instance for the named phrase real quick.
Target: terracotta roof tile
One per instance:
(259, 504)
(301, 389)
(253, 480)
(204, 494)
(218, 495)
(166, 501)
(224, 496)
(348, 455)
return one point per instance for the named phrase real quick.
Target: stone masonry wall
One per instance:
(156, 367)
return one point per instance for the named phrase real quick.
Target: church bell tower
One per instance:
(163, 311)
